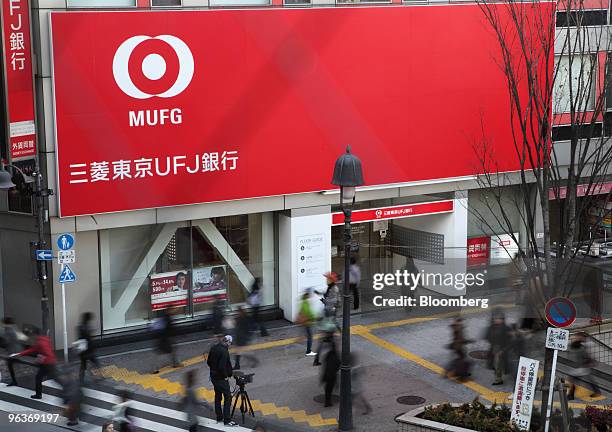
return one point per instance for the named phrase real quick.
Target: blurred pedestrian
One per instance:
(73, 396)
(165, 336)
(331, 365)
(12, 343)
(357, 387)
(499, 338)
(87, 350)
(218, 313)
(459, 367)
(331, 295)
(108, 427)
(45, 360)
(242, 337)
(123, 412)
(516, 349)
(220, 370)
(254, 300)
(190, 402)
(306, 318)
(582, 366)
(354, 279)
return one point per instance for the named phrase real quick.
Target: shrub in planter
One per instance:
(475, 416)
(600, 418)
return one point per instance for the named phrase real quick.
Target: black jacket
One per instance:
(219, 362)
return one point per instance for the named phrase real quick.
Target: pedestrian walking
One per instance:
(85, 344)
(331, 297)
(499, 338)
(357, 386)
(218, 314)
(306, 318)
(582, 366)
(123, 412)
(459, 367)
(220, 370)
(354, 279)
(242, 338)
(516, 349)
(254, 300)
(190, 402)
(331, 365)
(12, 342)
(73, 396)
(326, 342)
(45, 360)
(164, 327)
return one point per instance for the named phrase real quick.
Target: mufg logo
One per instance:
(143, 73)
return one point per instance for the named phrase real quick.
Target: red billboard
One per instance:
(18, 79)
(478, 251)
(168, 108)
(396, 212)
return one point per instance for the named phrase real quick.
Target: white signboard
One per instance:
(557, 339)
(66, 257)
(503, 248)
(311, 262)
(524, 392)
(380, 225)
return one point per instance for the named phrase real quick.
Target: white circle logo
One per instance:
(153, 67)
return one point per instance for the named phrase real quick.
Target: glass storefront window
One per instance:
(184, 267)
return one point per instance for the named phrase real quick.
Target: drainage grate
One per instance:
(410, 400)
(479, 355)
(321, 399)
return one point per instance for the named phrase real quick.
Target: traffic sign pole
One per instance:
(551, 389)
(64, 317)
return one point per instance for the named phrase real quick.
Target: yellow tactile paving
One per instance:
(159, 384)
(484, 392)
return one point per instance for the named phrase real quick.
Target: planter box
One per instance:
(409, 422)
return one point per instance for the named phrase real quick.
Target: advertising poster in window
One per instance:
(478, 251)
(503, 248)
(169, 290)
(208, 283)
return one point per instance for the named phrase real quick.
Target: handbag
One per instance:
(80, 345)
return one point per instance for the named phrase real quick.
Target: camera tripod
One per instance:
(245, 401)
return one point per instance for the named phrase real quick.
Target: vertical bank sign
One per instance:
(18, 79)
(169, 108)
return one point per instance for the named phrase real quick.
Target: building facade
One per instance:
(191, 145)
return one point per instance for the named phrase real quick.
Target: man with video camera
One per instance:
(220, 370)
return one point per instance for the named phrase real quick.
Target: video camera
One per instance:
(242, 378)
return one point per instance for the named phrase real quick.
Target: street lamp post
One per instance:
(6, 183)
(347, 175)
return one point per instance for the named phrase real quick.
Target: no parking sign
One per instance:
(560, 312)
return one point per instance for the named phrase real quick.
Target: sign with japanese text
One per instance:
(169, 290)
(18, 79)
(167, 108)
(395, 212)
(524, 392)
(478, 251)
(209, 283)
(557, 339)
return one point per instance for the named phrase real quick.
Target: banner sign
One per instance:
(396, 212)
(167, 108)
(478, 251)
(18, 79)
(169, 290)
(524, 392)
(503, 248)
(208, 283)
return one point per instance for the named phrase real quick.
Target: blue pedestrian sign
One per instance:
(44, 255)
(65, 241)
(67, 275)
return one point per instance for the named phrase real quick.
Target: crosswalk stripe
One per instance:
(142, 406)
